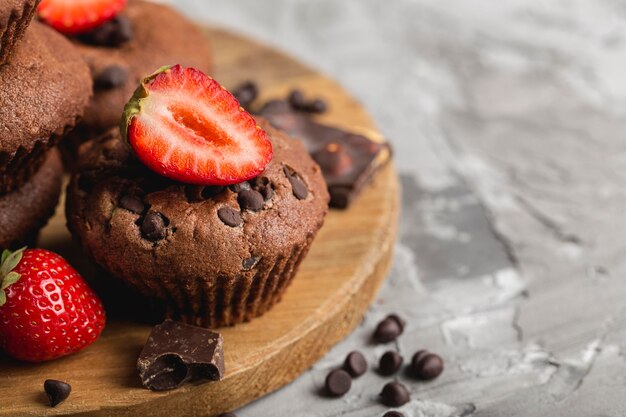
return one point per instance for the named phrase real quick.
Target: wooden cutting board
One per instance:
(334, 287)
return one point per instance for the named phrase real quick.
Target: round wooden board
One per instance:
(335, 285)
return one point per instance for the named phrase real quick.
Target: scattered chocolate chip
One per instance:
(246, 93)
(110, 77)
(211, 191)
(338, 382)
(390, 363)
(176, 353)
(237, 188)
(333, 159)
(393, 414)
(426, 365)
(401, 322)
(355, 364)
(57, 391)
(250, 263)
(230, 216)
(394, 394)
(316, 106)
(267, 191)
(296, 99)
(250, 200)
(133, 204)
(297, 183)
(113, 33)
(198, 193)
(154, 226)
(387, 330)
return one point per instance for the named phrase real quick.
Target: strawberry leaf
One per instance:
(5, 255)
(11, 278)
(10, 261)
(3, 298)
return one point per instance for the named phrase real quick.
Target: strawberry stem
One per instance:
(9, 277)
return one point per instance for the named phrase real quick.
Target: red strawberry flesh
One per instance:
(183, 125)
(73, 17)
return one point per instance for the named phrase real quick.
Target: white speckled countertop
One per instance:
(508, 120)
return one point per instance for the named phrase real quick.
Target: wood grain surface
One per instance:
(336, 283)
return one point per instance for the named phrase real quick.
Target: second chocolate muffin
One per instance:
(15, 16)
(217, 255)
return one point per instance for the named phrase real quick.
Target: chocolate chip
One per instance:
(57, 391)
(133, 204)
(296, 99)
(355, 364)
(212, 191)
(387, 331)
(338, 382)
(250, 200)
(154, 226)
(267, 191)
(113, 33)
(426, 365)
(237, 188)
(394, 394)
(333, 159)
(401, 322)
(297, 183)
(110, 77)
(230, 216)
(390, 363)
(393, 414)
(176, 353)
(198, 193)
(246, 93)
(316, 106)
(250, 263)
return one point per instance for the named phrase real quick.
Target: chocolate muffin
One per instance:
(23, 212)
(145, 37)
(15, 16)
(216, 255)
(44, 88)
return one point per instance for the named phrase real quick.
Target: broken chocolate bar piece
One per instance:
(177, 353)
(349, 160)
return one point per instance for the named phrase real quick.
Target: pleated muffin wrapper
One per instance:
(13, 24)
(225, 301)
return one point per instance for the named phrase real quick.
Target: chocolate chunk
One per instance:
(113, 33)
(390, 363)
(176, 353)
(154, 226)
(338, 382)
(133, 204)
(401, 322)
(355, 364)
(267, 191)
(57, 391)
(110, 77)
(387, 330)
(246, 93)
(250, 263)
(426, 365)
(365, 156)
(198, 193)
(230, 216)
(298, 186)
(296, 99)
(237, 188)
(393, 414)
(333, 159)
(315, 106)
(394, 394)
(250, 200)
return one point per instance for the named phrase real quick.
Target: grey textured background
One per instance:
(508, 122)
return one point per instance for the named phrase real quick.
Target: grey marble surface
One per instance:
(508, 122)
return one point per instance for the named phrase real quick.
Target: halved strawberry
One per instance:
(73, 17)
(184, 125)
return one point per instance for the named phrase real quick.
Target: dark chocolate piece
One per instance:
(250, 200)
(426, 365)
(110, 77)
(154, 226)
(355, 364)
(338, 382)
(401, 322)
(348, 160)
(176, 353)
(298, 186)
(230, 216)
(393, 414)
(387, 330)
(57, 391)
(133, 204)
(246, 93)
(113, 33)
(390, 363)
(237, 188)
(394, 394)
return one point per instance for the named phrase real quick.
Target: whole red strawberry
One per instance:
(46, 308)
(182, 124)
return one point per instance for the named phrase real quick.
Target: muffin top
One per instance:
(158, 36)
(146, 224)
(44, 88)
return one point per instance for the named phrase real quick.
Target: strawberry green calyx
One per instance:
(9, 277)
(133, 107)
